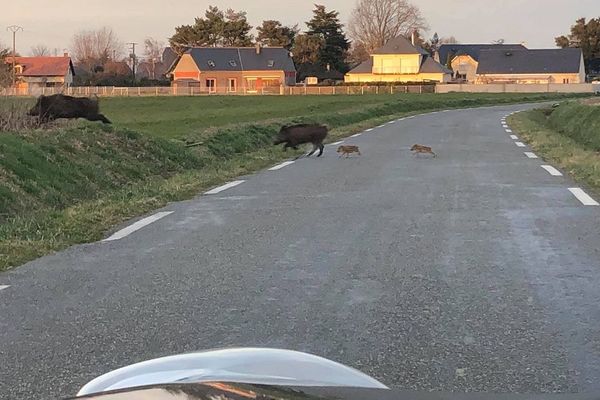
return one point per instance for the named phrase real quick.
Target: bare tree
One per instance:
(449, 40)
(40, 50)
(96, 46)
(374, 22)
(153, 53)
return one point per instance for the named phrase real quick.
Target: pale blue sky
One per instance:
(535, 22)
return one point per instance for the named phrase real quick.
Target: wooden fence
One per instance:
(109, 91)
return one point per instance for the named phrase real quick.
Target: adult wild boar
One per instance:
(295, 135)
(49, 108)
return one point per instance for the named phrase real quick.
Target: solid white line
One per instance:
(2, 287)
(137, 226)
(514, 137)
(356, 135)
(530, 154)
(336, 143)
(224, 187)
(282, 165)
(583, 197)
(551, 170)
(369, 130)
(520, 144)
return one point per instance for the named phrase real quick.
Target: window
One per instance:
(566, 80)
(211, 85)
(271, 63)
(233, 63)
(211, 64)
(18, 69)
(232, 85)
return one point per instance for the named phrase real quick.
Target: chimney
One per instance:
(258, 48)
(413, 37)
(65, 54)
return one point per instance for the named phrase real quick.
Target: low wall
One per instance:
(518, 88)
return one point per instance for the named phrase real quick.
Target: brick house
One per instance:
(40, 72)
(234, 69)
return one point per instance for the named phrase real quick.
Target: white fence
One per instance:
(519, 88)
(108, 91)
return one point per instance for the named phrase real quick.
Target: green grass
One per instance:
(73, 182)
(568, 137)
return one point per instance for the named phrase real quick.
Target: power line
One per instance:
(14, 29)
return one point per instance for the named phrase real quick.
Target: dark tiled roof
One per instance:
(305, 70)
(473, 50)
(431, 66)
(242, 59)
(365, 67)
(529, 61)
(400, 45)
(44, 66)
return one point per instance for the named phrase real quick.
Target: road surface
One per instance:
(475, 271)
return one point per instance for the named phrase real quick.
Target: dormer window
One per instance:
(233, 63)
(211, 64)
(18, 69)
(271, 63)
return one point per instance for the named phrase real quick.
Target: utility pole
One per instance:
(133, 58)
(14, 29)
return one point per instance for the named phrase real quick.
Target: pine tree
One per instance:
(326, 25)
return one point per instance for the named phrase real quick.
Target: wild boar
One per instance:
(49, 108)
(295, 135)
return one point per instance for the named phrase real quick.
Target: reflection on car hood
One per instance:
(239, 391)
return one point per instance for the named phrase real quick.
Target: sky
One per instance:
(54, 22)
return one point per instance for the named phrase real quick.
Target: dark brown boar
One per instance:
(295, 135)
(49, 108)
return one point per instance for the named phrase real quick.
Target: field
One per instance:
(73, 182)
(568, 136)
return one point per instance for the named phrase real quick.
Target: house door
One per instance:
(211, 85)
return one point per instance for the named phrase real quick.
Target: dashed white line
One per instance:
(336, 143)
(369, 130)
(412, 116)
(583, 197)
(530, 154)
(520, 144)
(282, 165)
(137, 226)
(2, 287)
(514, 137)
(356, 135)
(509, 131)
(551, 170)
(224, 187)
(381, 126)
(391, 122)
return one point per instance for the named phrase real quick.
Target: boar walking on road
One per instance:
(295, 135)
(49, 108)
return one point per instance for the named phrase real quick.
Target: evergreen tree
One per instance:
(326, 25)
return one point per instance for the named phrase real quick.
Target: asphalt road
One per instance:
(473, 271)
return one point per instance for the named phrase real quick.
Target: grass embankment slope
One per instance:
(568, 136)
(72, 183)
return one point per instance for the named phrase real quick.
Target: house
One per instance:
(464, 58)
(531, 66)
(157, 69)
(234, 69)
(399, 61)
(40, 72)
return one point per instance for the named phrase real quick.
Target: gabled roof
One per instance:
(472, 50)
(530, 61)
(400, 45)
(366, 67)
(242, 59)
(43, 66)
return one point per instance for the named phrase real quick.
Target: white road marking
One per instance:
(336, 143)
(505, 126)
(509, 131)
(224, 187)
(446, 111)
(551, 170)
(356, 135)
(412, 116)
(369, 130)
(2, 287)
(381, 126)
(530, 154)
(583, 197)
(514, 137)
(137, 226)
(282, 165)
(520, 144)
(391, 122)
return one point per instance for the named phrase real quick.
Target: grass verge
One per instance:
(567, 136)
(70, 184)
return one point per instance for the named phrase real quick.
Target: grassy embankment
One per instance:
(568, 137)
(73, 182)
